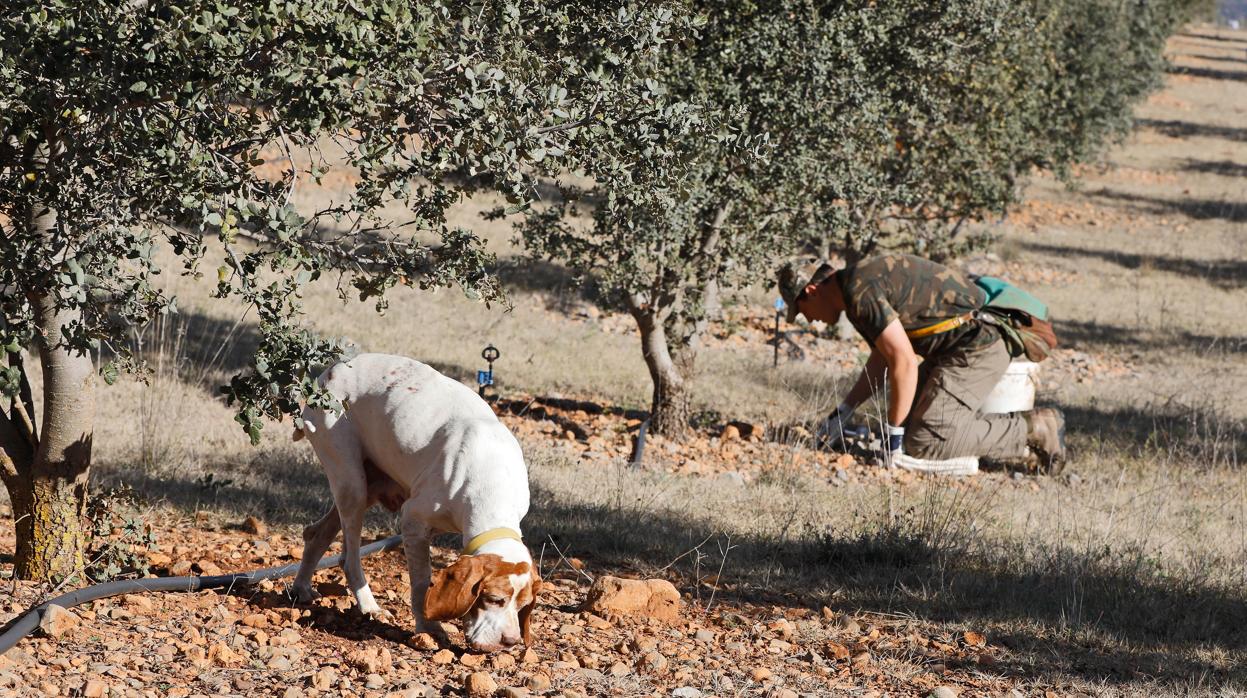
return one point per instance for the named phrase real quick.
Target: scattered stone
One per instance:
(424, 641)
(369, 660)
(57, 620)
(760, 674)
(686, 692)
(208, 568)
(503, 660)
(139, 603)
(730, 433)
(974, 639)
(94, 689)
(443, 657)
(156, 559)
(529, 657)
(654, 663)
(837, 651)
(597, 622)
(255, 620)
(620, 669)
(472, 660)
(731, 477)
(254, 526)
(374, 681)
(538, 683)
(944, 692)
(703, 635)
(514, 692)
(654, 598)
(324, 679)
(480, 683)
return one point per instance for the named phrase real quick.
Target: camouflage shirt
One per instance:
(919, 292)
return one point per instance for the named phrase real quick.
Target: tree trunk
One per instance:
(46, 470)
(51, 547)
(671, 408)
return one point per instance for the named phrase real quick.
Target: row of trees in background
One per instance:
(719, 137)
(843, 128)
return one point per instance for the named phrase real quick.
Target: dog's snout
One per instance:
(510, 640)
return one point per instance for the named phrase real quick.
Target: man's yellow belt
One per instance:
(942, 326)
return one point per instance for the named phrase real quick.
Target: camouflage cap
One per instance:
(791, 286)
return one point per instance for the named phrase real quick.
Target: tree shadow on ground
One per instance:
(1213, 37)
(543, 276)
(1197, 209)
(198, 344)
(1208, 73)
(1229, 274)
(1189, 129)
(1209, 57)
(1225, 168)
(1136, 619)
(1173, 429)
(1122, 339)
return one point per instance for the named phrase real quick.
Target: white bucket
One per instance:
(1016, 390)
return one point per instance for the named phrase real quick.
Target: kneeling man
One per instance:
(906, 306)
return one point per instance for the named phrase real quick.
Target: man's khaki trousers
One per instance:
(945, 421)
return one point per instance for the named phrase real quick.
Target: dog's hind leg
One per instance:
(316, 540)
(340, 453)
(351, 512)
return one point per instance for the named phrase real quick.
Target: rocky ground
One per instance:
(257, 641)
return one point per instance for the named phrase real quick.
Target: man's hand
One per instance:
(830, 431)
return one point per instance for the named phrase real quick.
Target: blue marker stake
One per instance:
(779, 310)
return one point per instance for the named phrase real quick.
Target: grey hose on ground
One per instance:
(27, 623)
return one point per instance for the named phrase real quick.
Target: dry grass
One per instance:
(1126, 579)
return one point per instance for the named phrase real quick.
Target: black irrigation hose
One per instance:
(30, 621)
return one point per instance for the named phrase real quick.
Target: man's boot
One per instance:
(1045, 435)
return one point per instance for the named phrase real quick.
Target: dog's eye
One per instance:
(492, 600)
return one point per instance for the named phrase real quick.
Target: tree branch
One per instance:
(24, 404)
(15, 452)
(575, 124)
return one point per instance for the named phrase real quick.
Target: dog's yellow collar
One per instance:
(489, 536)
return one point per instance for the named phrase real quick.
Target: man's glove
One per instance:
(893, 444)
(830, 431)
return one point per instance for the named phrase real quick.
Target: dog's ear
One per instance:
(454, 590)
(526, 611)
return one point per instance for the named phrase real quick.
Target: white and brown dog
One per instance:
(426, 445)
